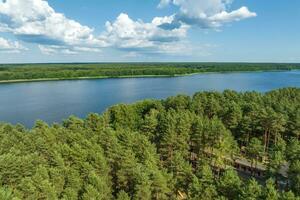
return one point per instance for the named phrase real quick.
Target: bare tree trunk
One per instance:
(268, 140)
(265, 140)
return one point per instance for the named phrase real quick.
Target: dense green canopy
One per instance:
(23, 72)
(178, 148)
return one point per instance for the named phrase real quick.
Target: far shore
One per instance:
(129, 76)
(86, 78)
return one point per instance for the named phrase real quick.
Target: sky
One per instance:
(42, 31)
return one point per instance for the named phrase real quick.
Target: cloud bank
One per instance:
(206, 13)
(35, 21)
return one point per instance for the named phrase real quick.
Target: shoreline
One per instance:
(128, 76)
(88, 78)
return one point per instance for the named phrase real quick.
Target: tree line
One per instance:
(178, 148)
(90, 70)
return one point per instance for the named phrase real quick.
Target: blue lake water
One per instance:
(53, 101)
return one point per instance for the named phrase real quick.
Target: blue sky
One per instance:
(149, 30)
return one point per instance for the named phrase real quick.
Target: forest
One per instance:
(38, 72)
(182, 147)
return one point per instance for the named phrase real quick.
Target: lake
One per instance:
(53, 101)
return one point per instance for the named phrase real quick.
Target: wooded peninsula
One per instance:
(42, 72)
(213, 145)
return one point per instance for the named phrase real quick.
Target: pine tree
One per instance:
(294, 176)
(270, 192)
(230, 184)
(251, 191)
(122, 195)
(254, 151)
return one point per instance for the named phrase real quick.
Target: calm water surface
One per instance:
(54, 101)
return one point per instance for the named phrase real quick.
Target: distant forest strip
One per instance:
(174, 149)
(39, 72)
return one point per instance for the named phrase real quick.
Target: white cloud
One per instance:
(48, 49)
(127, 34)
(35, 21)
(207, 13)
(10, 46)
(235, 15)
(54, 49)
(163, 3)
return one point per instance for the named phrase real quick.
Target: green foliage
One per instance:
(179, 148)
(203, 184)
(251, 191)
(107, 70)
(230, 184)
(6, 194)
(270, 192)
(122, 195)
(294, 172)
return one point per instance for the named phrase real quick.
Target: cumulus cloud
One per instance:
(127, 34)
(35, 21)
(10, 46)
(207, 13)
